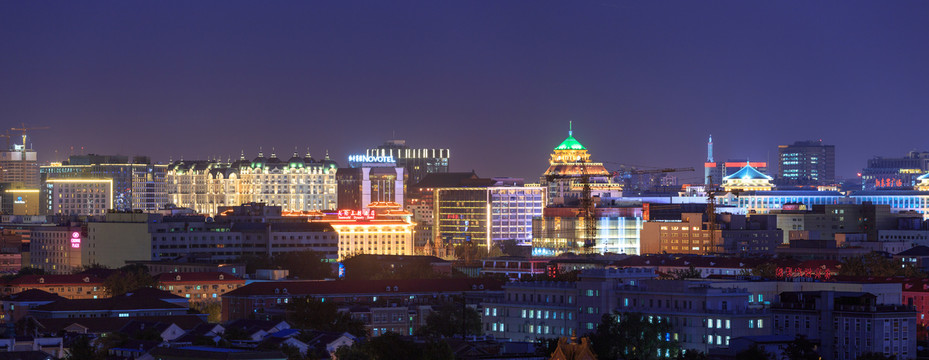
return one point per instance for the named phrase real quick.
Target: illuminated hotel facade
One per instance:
(370, 179)
(383, 229)
(78, 196)
(484, 215)
(298, 184)
(568, 165)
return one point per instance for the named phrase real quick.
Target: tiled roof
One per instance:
(48, 280)
(112, 324)
(155, 294)
(32, 295)
(915, 251)
(205, 276)
(303, 288)
(25, 355)
(113, 304)
(252, 324)
(203, 352)
(700, 261)
(748, 173)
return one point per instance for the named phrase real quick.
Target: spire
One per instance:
(273, 154)
(261, 154)
(570, 127)
(327, 154)
(308, 152)
(709, 149)
(242, 156)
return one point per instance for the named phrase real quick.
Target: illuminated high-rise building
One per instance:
(18, 165)
(416, 162)
(487, 213)
(78, 196)
(895, 172)
(568, 167)
(137, 183)
(298, 184)
(370, 180)
(806, 163)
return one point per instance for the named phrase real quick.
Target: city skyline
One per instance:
(645, 84)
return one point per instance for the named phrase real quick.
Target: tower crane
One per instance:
(24, 129)
(651, 171)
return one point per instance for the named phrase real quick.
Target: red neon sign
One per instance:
(881, 183)
(366, 214)
(816, 273)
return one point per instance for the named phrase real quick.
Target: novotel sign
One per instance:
(75, 240)
(370, 159)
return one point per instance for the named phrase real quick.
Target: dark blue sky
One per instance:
(496, 81)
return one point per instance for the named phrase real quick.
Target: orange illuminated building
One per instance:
(384, 229)
(76, 286)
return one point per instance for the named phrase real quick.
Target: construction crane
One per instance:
(651, 171)
(587, 211)
(634, 178)
(24, 129)
(711, 213)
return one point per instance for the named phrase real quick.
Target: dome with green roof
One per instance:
(570, 143)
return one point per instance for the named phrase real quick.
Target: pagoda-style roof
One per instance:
(570, 144)
(748, 173)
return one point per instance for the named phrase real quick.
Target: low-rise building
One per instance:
(16, 306)
(129, 305)
(847, 325)
(76, 286)
(261, 297)
(199, 286)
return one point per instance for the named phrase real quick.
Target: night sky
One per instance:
(496, 81)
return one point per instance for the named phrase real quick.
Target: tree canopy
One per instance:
(875, 264)
(312, 313)
(446, 321)
(801, 349)
(129, 278)
(392, 346)
(633, 336)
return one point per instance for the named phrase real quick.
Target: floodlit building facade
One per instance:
(137, 183)
(78, 196)
(484, 215)
(298, 184)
